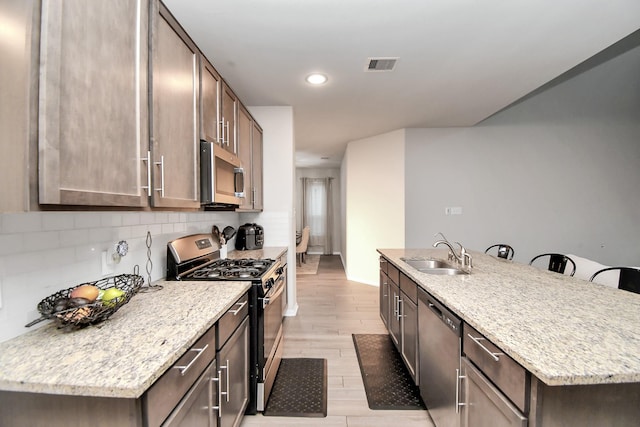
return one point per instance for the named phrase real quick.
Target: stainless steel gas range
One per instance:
(196, 257)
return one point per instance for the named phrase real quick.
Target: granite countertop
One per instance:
(270, 252)
(564, 330)
(124, 355)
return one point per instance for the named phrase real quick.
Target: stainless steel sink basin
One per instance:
(433, 266)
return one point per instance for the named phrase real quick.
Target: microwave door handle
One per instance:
(238, 175)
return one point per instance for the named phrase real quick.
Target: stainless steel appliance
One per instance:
(196, 257)
(250, 236)
(221, 176)
(440, 337)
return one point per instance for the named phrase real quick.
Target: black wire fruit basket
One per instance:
(72, 311)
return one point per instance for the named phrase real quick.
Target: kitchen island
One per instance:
(579, 341)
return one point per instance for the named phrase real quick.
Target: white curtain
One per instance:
(317, 208)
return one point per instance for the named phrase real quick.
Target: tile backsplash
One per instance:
(42, 252)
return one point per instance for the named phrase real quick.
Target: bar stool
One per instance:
(629, 279)
(504, 251)
(557, 262)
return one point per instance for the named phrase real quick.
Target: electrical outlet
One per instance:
(107, 264)
(456, 210)
(453, 210)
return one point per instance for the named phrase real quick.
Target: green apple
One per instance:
(112, 296)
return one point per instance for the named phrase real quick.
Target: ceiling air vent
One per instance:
(381, 64)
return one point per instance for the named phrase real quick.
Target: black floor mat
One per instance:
(300, 389)
(386, 380)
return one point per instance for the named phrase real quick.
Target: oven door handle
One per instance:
(278, 290)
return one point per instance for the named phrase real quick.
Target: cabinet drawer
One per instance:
(393, 273)
(383, 264)
(231, 319)
(158, 402)
(511, 378)
(409, 287)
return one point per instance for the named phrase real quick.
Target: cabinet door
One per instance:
(256, 164)
(196, 407)
(409, 332)
(209, 91)
(228, 120)
(384, 298)
(175, 115)
(93, 103)
(483, 404)
(233, 365)
(395, 310)
(244, 153)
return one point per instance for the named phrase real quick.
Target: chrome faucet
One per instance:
(464, 259)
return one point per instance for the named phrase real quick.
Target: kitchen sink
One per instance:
(433, 266)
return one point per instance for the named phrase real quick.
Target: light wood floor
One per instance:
(331, 308)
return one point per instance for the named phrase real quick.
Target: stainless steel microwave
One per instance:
(221, 176)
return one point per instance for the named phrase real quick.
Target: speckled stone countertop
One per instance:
(564, 330)
(270, 252)
(124, 355)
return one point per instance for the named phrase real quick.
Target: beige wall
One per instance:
(374, 194)
(278, 216)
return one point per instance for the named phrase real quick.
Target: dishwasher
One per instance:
(440, 342)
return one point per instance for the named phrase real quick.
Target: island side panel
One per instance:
(50, 410)
(602, 405)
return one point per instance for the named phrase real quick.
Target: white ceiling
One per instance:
(460, 60)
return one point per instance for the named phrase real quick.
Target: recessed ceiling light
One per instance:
(316, 79)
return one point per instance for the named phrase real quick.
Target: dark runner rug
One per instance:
(387, 382)
(300, 389)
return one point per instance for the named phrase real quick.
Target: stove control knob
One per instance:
(269, 283)
(280, 270)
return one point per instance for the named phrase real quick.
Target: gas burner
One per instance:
(233, 269)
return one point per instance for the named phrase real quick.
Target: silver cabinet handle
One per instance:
(235, 312)
(219, 407)
(226, 126)
(161, 164)
(395, 306)
(458, 378)
(221, 136)
(184, 369)
(228, 391)
(400, 308)
(494, 356)
(148, 161)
